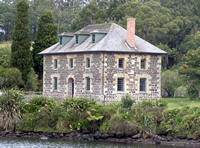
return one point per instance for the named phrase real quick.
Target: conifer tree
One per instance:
(46, 36)
(21, 57)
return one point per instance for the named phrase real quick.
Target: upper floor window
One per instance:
(120, 84)
(93, 38)
(87, 83)
(143, 64)
(71, 63)
(121, 63)
(88, 62)
(55, 83)
(143, 84)
(76, 39)
(55, 63)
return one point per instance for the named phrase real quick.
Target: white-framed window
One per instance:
(121, 63)
(120, 84)
(55, 63)
(143, 84)
(87, 83)
(143, 64)
(87, 62)
(71, 63)
(55, 83)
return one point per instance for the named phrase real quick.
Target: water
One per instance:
(36, 143)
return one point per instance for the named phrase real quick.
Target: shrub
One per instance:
(148, 114)
(10, 107)
(10, 78)
(119, 127)
(32, 81)
(127, 101)
(5, 55)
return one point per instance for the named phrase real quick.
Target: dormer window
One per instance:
(65, 38)
(97, 36)
(93, 38)
(76, 39)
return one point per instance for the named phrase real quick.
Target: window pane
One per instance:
(55, 63)
(120, 84)
(60, 40)
(143, 63)
(76, 39)
(93, 38)
(143, 84)
(71, 63)
(55, 83)
(88, 62)
(87, 83)
(121, 62)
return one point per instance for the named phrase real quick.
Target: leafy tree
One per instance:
(93, 13)
(46, 36)
(170, 82)
(191, 69)
(21, 57)
(191, 42)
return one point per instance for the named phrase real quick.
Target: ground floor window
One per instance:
(55, 83)
(120, 84)
(143, 84)
(87, 83)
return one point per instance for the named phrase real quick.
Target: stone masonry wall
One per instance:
(79, 73)
(132, 74)
(109, 73)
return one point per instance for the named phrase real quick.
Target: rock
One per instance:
(104, 136)
(136, 136)
(43, 138)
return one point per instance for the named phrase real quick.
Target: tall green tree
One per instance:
(21, 57)
(191, 69)
(46, 36)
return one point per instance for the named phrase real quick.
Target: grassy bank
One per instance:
(121, 119)
(178, 103)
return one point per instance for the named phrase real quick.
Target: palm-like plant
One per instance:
(10, 108)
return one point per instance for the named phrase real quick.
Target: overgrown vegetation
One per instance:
(120, 119)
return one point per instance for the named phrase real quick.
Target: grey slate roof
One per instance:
(114, 41)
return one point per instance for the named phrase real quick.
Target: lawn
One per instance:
(5, 44)
(181, 102)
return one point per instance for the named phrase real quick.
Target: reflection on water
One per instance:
(35, 143)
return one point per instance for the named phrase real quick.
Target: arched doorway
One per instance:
(71, 87)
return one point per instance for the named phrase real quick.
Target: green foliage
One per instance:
(127, 101)
(21, 57)
(171, 80)
(148, 114)
(5, 55)
(191, 69)
(120, 127)
(182, 122)
(32, 81)
(10, 108)
(10, 78)
(46, 37)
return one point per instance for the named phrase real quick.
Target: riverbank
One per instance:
(124, 121)
(98, 137)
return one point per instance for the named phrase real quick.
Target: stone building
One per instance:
(104, 62)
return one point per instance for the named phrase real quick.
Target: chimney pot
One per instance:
(131, 32)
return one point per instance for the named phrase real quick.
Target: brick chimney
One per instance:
(131, 32)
